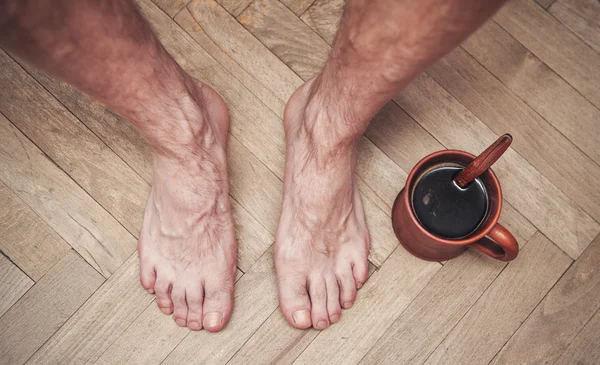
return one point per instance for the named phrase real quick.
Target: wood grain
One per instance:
(557, 320)
(585, 349)
(13, 284)
(300, 48)
(72, 146)
(533, 195)
(582, 17)
(537, 85)
(98, 322)
(148, 340)
(385, 296)
(545, 148)
(298, 6)
(235, 7)
(61, 203)
(171, 7)
(26, 238)
(441, 305)
(490, 322)
(324, 17)
(554, 44)
(46, 307)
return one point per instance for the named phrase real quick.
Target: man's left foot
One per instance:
(322, 241)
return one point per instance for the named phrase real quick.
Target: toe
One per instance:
(218, 301)
(360, 270)
(147, 276)
(333, 300)
(318, 301)
(180, 311)
(163, 296)
(194, 301)
(294, 301)
(347, 288)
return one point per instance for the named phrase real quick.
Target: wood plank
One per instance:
(545, 148)
(240, 53)
(533, 195)
(324, 18)
(275, 342)
(98, 322)
(71, 145)
(301, 49)
(554, 324)
(585, 349)
(26, 238)
(298, 6)
(148, 340)
(235, 7)
(582, 17)
(491, 321)
(537, 85)
(554, 44)
(171, 7)
(13, 284)
(61, 203)
(44, 309)
(441, 305)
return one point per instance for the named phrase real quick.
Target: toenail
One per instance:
(166, 310)
(151, 291)
(194, 326)
(213, 319)
(322, 324)
(180, 322)
(301, 317)
(334, 318)
(347, 305)
(359, 285)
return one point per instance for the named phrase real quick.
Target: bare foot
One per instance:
(322, 241)
(187, 243)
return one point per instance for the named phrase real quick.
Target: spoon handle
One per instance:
(483, 161)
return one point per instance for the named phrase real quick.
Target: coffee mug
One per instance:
(490, 237)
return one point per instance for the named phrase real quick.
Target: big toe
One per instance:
(294, 300)
(218, 302)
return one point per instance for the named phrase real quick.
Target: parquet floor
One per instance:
(74, 178)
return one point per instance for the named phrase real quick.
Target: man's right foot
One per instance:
(187, 242)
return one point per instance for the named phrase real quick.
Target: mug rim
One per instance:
(482, 230)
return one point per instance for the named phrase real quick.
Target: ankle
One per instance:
(329, 121)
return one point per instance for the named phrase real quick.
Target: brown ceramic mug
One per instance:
(499, 243)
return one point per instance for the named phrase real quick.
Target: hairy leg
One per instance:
(105, 48)
(322, 240)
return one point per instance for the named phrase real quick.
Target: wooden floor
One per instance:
(74, 178)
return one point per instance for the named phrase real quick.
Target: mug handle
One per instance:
(502, 245)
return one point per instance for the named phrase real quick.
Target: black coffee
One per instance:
(444, 208)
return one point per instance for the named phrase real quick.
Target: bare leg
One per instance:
(322, 240)
(105, 48)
